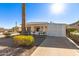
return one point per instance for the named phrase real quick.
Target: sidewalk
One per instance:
(56, 46)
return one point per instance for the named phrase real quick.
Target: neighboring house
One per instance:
(2, 30)
(14, 29)
(75, 25)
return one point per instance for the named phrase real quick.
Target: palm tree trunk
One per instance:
(23, 19)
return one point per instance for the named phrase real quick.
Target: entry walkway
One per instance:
(56, 46)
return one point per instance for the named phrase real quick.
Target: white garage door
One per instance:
(56, 30)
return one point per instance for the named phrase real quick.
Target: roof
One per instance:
(38, 23)
(77, 22)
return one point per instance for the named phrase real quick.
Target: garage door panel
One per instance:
(56, 30)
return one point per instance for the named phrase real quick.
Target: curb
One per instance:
(73, 42)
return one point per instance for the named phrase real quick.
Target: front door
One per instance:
(38, 29)
(29, 30)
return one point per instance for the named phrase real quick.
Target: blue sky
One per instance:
(10, 13)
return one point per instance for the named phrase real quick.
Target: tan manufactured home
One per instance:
(34, 27)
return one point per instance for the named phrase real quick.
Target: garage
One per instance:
(58, 30)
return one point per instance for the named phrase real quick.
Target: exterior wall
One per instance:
(2, 30)
(43, 27)
(52, 29)
(56, 30)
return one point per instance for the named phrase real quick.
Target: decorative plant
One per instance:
(24, 40)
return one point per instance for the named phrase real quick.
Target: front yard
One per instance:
(12, 50)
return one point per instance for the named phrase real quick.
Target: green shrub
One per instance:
(71, 29)
(74, 37)
(68, 30)
(73, 34)
(24, 40)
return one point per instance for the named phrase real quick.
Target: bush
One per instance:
(24, 40)
(68, 30)
(71, 29)
(74, 37)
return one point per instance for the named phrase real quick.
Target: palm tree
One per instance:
(23, 19)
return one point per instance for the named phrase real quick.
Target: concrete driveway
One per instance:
(56, 46)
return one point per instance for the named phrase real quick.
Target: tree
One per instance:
(23, 19)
